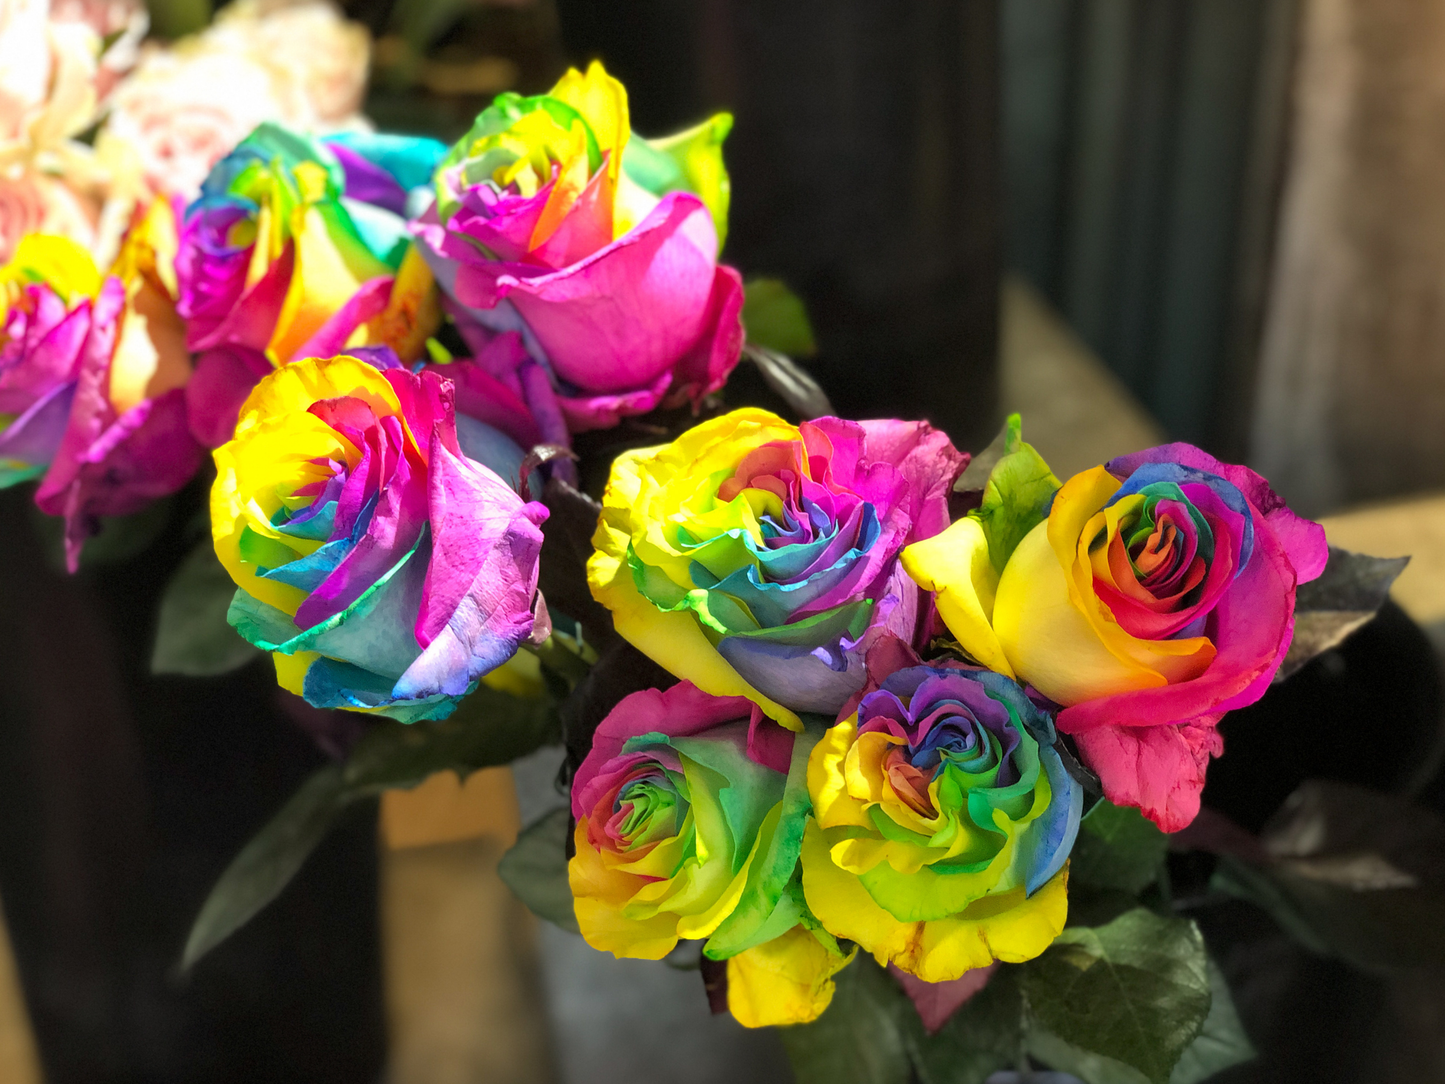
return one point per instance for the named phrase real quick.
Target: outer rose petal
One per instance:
(937, 1001)
(477, 603)
(223, 379)
(941, 950)
(146, 454)
(626, 314)
(1157, 769)
(788, 980)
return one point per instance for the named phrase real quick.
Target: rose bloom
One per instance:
(1155, 594)
(686, 828)
(383, 569)
(757, 558)
(943, 819)
(554, 220)
(185, 106)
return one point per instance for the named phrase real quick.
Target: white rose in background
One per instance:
(185, 106)
(54, 73)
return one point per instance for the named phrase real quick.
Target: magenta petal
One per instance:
(477, 604)
(146, 454)
(937, 1001)
(367, 303)
(1159, 769)
(625, 315)
(586, 412)
(928, 462)
(218, 388)
(1303, 540)
(253, 318)
(707, 366)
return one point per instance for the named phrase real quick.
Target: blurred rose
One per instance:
(33, 203)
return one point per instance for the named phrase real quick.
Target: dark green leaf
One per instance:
(1220, 1044)
(120, 537)
(487, 729)
(268, 862)
(1135, 990)
(775, 318)
(985, 1034)
(1117, 848)
(192, 636)
(536, 870)
(1347, 594)
(1352, 873)
(860, 1039)
(1222, 1041)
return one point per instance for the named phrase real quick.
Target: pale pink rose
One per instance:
(182, 110)
(31, 202)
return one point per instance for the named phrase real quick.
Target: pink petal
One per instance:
(937, 1001)
(223, 378)
(1158, 769)
(626, 314)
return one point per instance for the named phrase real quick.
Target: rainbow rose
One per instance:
(552, 218)
(282, 257)
(1148, 597)
(49, 290)
(92, 376)
(687, 827)
(384, 569)
(943, 818)
(757, 558)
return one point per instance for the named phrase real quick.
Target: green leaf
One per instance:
(775, 318)
(1350, 872)
(1346, 595)
(193, 636)
(268, 862)
(536, 870)
(487, 729)
(984, 1035)
(1222, 1041)
(1117, 848)
(1135, 990)
(860, 1039)
(1019, 489)
(1220, 1044)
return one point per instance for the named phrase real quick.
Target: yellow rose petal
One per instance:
(955, 566)
(788, 980)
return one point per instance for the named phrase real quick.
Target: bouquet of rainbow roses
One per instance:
(858, 716)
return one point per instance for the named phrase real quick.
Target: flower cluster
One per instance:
(891, 693)
(277, 301)
(945, 689)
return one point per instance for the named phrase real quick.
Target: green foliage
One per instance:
(861, 1038)
(1118, 848)
(487, 729)
(1350, 872)
(1135, 990)
(985, 1034)
(1220, 1044)
(536, 870)
(1019, 488)
(120, 537)
(775, 318)
(871, 1034)
(192, 636)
